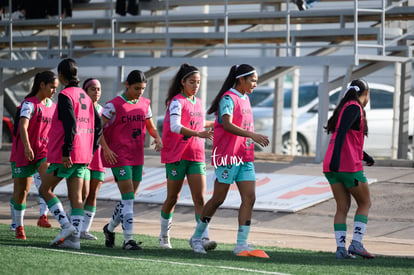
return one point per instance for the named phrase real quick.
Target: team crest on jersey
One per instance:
(249, 142)
(174, 172)
(122, 172)
(225, 174)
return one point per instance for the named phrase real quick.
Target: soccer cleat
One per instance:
(197, 246)
(109, 237)
(20, 233)
(131, 245)
(208, 245)
(242, 249)
(356, 248)
(87, 236)
(43, 222)
(67, 230)
(71, 242)
(13, 227)
(165, 242)
(341, 253)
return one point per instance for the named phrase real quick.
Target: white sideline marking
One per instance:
(154, 261)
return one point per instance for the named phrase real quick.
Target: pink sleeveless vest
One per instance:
(352, 149)
(38, 132)
(85, 123)
(126, 135)
(176, 146)
(228, 147)
(96, 163)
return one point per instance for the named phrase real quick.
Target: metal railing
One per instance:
(169, 24)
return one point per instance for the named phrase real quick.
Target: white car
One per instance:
(379, 111)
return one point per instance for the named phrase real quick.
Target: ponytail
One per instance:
(236, 72)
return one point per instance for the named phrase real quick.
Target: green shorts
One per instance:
(127, 172)
(98, 175)
(25, 171)
(235, 173)
(178, 170)
(87, 175)
(76, 171)
(349, 179)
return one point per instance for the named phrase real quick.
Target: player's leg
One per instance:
(248, 198)
(343, 202)
(218, 197)
(362, 196)
(196, 178)
(90, 204)
(20, 190)
(51, 179)
(43, 209)
(174, 185)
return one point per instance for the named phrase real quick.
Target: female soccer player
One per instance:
(126, 119)
(28, 154)
(96, 171)
(234, 139)
(74, 135)
(343, 167)
(183, 151)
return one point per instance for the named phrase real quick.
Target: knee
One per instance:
(216, 202)
(199, 201)
(249, 199)
(172, 199)
(343, 207)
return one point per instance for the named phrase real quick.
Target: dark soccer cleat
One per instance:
(131, 245)
(109, 237)
(208, 244)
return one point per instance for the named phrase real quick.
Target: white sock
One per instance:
(116, 217)
(165, 226)
(340, 237)
(359, 231)
(77, 221)
(127, 219)
(206, 233)
(59, 213)
(13, 216)
(43, 206)
(87, 221)
(19, 214)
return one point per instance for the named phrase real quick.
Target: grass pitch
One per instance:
(34, 256)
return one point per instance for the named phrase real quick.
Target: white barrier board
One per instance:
(274, 192)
